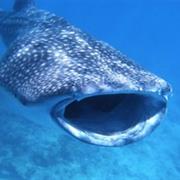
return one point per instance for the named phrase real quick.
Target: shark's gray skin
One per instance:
(102, 97)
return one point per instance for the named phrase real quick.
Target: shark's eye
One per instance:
(112, 119)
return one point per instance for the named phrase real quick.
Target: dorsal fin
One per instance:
(23, 4)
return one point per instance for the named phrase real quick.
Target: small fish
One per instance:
(102, 96)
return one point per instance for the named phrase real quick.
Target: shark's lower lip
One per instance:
(111, 119)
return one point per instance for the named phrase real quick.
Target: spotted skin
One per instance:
(48, 56)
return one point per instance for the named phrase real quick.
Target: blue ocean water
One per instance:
(33, 147)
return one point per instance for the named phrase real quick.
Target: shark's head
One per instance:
(101, 96)
(112, 108)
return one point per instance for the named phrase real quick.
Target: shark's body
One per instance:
(48, 57)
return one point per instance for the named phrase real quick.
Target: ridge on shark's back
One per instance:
(102, 96)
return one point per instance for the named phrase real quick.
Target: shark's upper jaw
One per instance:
(112, 119)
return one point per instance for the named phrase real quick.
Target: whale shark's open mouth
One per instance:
(111, 119)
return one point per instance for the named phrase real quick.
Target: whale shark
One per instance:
(100, 96)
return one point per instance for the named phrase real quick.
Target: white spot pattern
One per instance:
(47, 56)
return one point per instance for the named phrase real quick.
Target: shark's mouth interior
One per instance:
(104, 116)
(107, 114)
